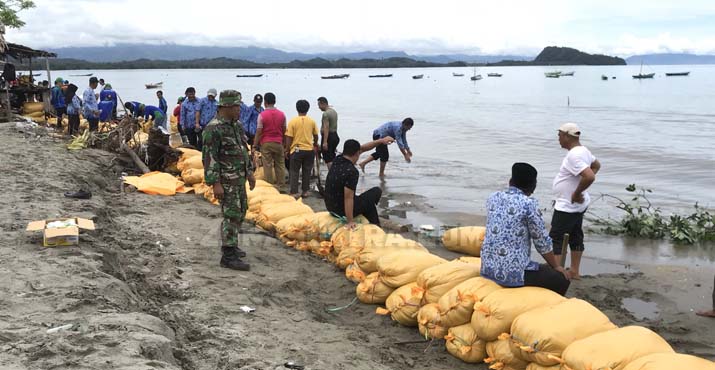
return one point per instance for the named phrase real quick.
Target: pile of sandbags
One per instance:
(669, 361)
(401, 268)
(402, 305)
(435, 281)
(372, 290)
(463, 343)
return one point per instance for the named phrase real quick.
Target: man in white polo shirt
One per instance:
(577, 173)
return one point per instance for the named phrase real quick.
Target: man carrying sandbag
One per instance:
(513, 222)
(342, 180)
(226, 169)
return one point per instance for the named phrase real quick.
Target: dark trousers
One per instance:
(366, 204)
(567, 223)
(73, 122)
(194, 137)
(381, 151)
(333, 141)
(301, 160)
(61, 112)
(93, 124)
(547, 278)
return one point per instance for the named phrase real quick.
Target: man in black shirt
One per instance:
(342, 181)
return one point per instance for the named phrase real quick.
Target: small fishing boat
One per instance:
(381, 76)
(155, 85)
(84, 75)
(476, 77)
(36, 74)
(457, 74)
(641, 76)
(335, 77)
(259, 75)
(494, 74)
(417, 77)
(554, 74)
(670, 74)
(567, 73)
(604, 77)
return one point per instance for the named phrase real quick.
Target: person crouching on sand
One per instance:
(395, 129)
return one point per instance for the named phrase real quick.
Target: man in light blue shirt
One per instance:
(189, 118)
(208, 108)
(513, 222)
(398, 131)
(249, 117)
(90, 109)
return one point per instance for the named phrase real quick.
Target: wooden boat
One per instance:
(641, 76)
(154, 85)
(381, 76)
(417, 77)
(604, 77)
(476, 78)
(677, 74)
(36, 74)
(259, 75)
(567, 73)
(85, 75)
(336, 77)
(554, 74)
(457, 74)
(494, 74)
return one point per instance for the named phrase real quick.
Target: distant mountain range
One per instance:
(172, 52)
(671, 58)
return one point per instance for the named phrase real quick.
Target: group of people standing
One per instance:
(95, 107)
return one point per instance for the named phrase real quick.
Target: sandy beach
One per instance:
(144, 290)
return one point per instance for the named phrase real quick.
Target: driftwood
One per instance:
(135, 158)
(159, 153)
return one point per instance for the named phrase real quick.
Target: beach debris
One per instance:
(79, 142)
(60, 232)
(80, 194)
(247, 309)
(293, 365)
(60, 328)
(427, 227)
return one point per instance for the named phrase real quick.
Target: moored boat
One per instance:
(381, 76)
(336, 77)
(417, 77)
(567, 73)
(670, 74)
(604, 77)
(457, 74)
(494, 74)
(554, 74)
(155, 85)
(641, 76)
(258, 75)
(476, 77)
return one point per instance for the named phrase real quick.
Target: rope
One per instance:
(336, 309)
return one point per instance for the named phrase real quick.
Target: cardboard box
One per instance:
(66, 233)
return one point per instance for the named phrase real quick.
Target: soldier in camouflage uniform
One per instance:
(226, 169)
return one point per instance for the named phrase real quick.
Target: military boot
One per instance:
(231, 260)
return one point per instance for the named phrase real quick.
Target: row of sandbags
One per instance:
(510, 329)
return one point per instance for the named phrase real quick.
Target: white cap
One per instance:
(571, 129)
(212, 92)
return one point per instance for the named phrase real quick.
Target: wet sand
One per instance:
(144, 291)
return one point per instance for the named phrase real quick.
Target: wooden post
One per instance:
(564, 250)
(47, 66)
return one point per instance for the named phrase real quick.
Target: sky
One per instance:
(622, 28)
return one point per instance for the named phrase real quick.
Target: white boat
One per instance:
(554, 74)
(567, 73)
(457, 74)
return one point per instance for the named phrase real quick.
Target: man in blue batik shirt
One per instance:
(90, 109)
(189, 118)
(394, 129)
(249, 116)
(513, 222)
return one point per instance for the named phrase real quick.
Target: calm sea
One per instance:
(657, 133)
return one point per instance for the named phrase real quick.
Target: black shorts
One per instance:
(567, 223)
(381, 151)
(333, 141)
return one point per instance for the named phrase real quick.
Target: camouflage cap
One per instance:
(229, 98)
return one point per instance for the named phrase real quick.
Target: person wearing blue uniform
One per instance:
(90, 109)
(107, 94)
(397, 130)
(134, 108)
(57, 99)
(249, 117)
(189, 118)
(148, 111)
(162, 102)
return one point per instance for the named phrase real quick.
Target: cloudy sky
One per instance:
(622, 27)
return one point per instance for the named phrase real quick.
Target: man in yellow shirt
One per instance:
(301, 145)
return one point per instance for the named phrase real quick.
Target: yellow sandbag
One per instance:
(435, 281)
(361, 237)
(401, 268)
(321, 249)
(299, 227)
(367, 258)
(209, 196)
(613, 349)
(187, 152)
(306, 246)
(670, 361)
(192, 176)
(270, 214)
(402, 306)
(462, 342)
(472, 260)
(467, 239)
(32, 107)
(259, 173)
(200, 188)
(501, 358)
(139, 138)
(542, 334)
(495, 313)
(155, 183)
(185, 163)
(372, 290)
(257, 192)
(251, 217)
(262, 184)
(354, 273)
(535, 366)
(327, 224)
(457, 305)
(346, 257)
(428, 322)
